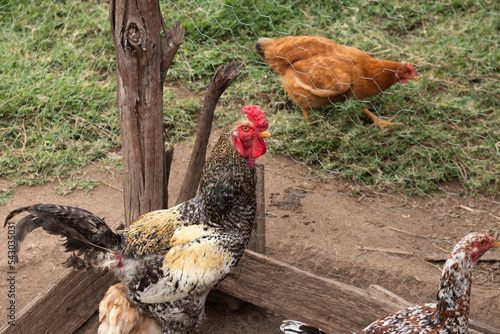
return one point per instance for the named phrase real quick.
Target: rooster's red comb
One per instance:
(256, 116)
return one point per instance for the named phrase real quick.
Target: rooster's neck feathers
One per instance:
(227, 186)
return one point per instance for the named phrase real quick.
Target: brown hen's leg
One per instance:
(378, 121)
(305, 113)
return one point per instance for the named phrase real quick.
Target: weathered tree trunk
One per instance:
(143, 57)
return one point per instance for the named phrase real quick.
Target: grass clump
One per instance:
(56, 93)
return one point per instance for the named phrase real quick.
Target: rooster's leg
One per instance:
(378, 121)
(305, 113)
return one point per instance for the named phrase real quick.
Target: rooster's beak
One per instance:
(496, 244)
(265, 134)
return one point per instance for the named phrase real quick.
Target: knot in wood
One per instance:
(133, 33)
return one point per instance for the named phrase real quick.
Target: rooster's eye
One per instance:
(245, 128)
(482, 243)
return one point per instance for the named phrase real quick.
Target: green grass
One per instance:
(57, 88)
(57, 102)
(57, 94)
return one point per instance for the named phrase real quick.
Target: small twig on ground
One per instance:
(435, 266)
(461, 170)
(111, 186)
(444, 250)
(470, 209)
(386, 250)
(406, 232)
(494, 216)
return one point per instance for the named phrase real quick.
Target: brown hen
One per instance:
(316, 71)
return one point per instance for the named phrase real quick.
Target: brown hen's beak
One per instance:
(414, 77)
(265, 134)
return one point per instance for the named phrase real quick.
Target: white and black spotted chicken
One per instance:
(167, 260)
(450, 313)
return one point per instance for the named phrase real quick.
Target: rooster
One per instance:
(450, 314)
(316, 71)
(167, 260)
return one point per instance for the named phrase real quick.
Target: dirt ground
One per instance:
(323, 224)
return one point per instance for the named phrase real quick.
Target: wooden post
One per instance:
(143, 57)
(257, 241)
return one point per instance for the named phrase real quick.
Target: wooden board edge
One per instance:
(71, 300)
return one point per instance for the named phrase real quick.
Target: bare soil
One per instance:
(323, 224)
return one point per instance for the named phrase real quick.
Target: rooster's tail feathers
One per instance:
(84, 231)
(297, 327)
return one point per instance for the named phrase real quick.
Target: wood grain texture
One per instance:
(257, 241)
(143, 56)
(299, 295)
(65, 306)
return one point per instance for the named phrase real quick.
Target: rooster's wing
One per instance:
(190, 268)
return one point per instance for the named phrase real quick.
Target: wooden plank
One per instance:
(257, 241)
(388, 295)
(65, 306)
(299, 295)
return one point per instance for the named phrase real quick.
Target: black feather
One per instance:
(307, 329)
(296, 327)
(83, 230)
(258, 47)
(76, 263)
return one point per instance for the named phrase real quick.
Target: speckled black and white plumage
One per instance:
(449, 315)
(168, 260)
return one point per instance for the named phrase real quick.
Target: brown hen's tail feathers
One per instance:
(261, 45)
(297, 327)
(84, 231)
